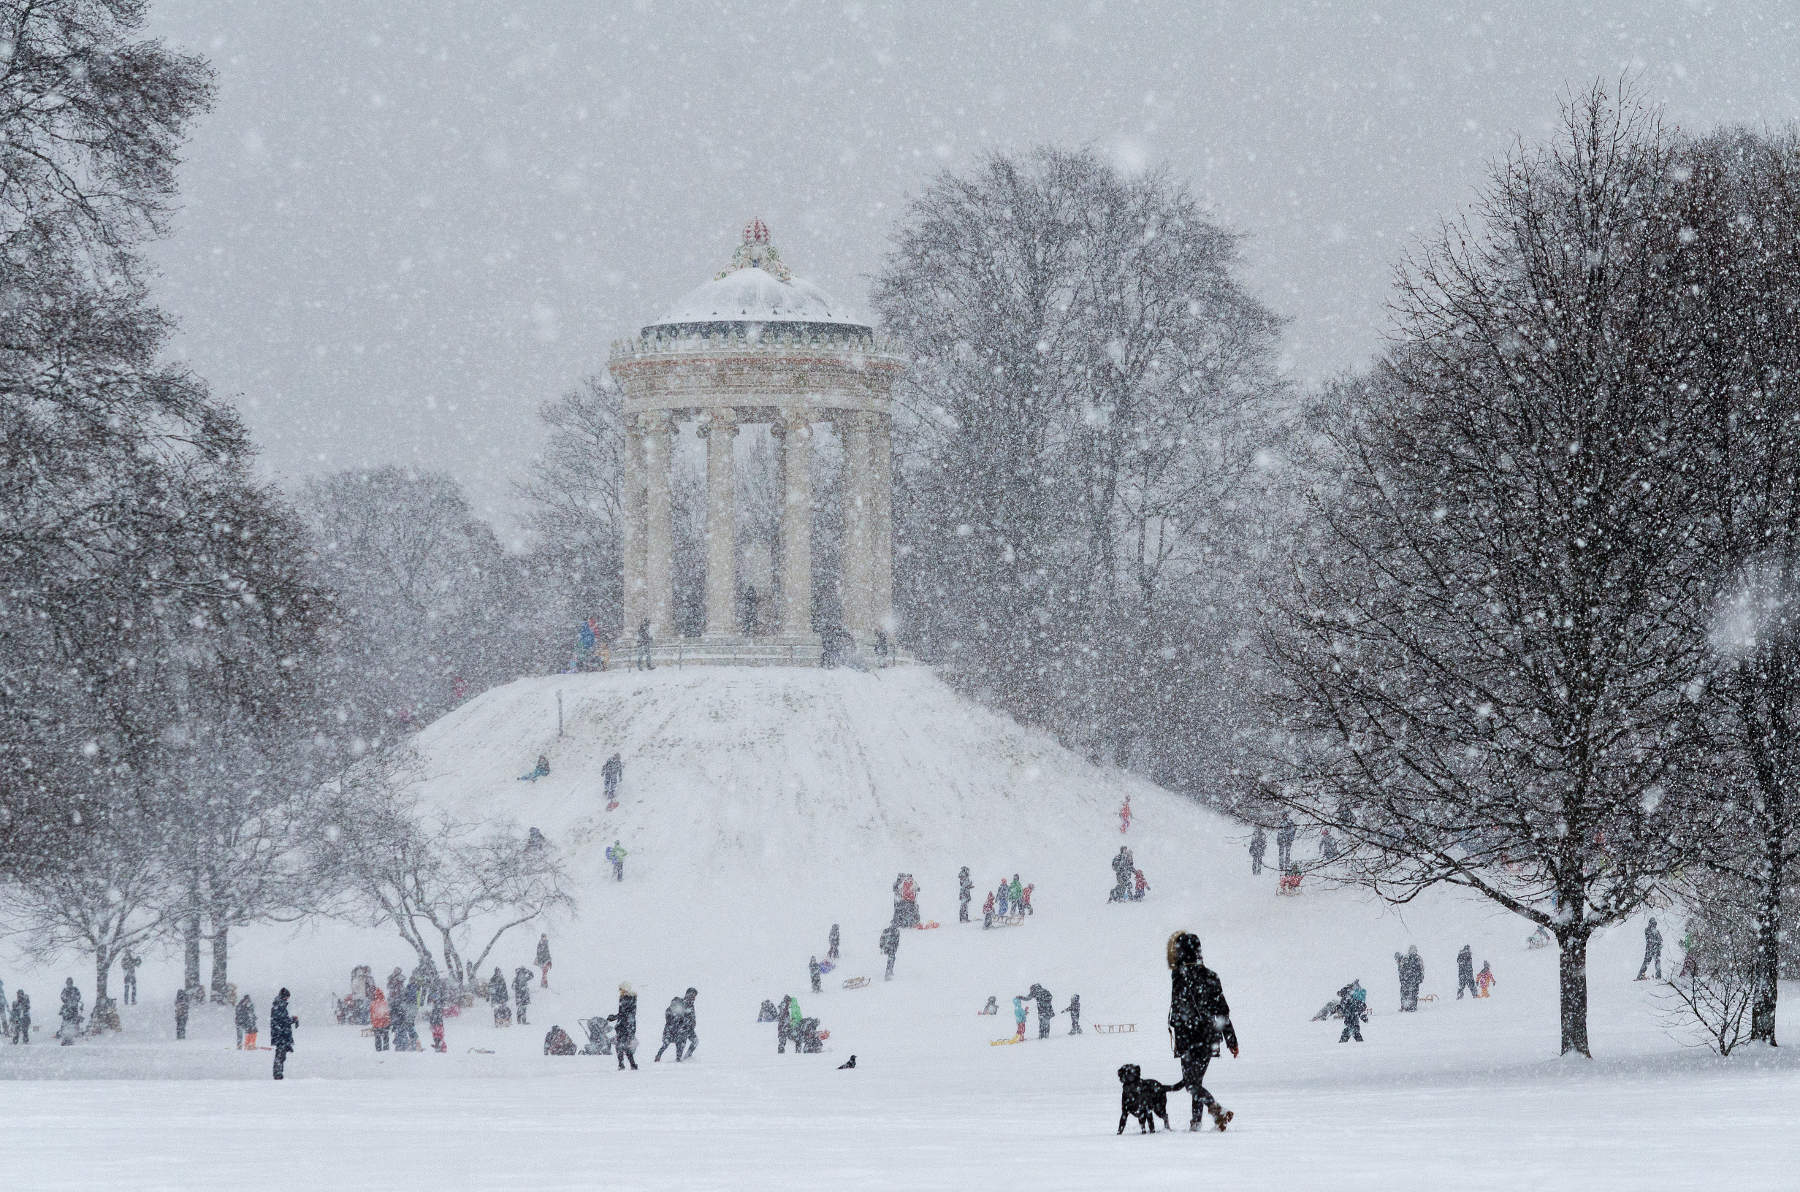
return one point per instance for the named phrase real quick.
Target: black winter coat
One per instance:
(890, 940)
(281, 1025)
(1198, 1014)
(625, 1021)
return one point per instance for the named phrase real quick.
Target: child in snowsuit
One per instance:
(1019, 1017)
(246, 1024)
(522, 992)
(437, 1028)
(497, 997)
(1484, 980)
(1074, 1013)
(964, 889)
(379, 1021)
(1259, 844)
(543, 959)
(812, 971)
(1005, 893)
(987, 911)
(992, 1007)
(616, 854)
(541, 770)
(1139, 885)
(1018, 894)
(890, 947)
(1025, 899)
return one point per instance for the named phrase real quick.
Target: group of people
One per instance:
(1128, 880)
(1009, 898)
(1285, 834)
(791, 1026)
(1046, 1010)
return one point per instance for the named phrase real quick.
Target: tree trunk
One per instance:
(1768, 937)
(102, 967)
(1573, 985)
(190, 952)
(219, 976)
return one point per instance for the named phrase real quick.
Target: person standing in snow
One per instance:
(784, 1015)
(1652, 950)
(1046, 1008)
(1017, 892)
(611, 772)
(379, 1020)
(522, 991)
(812, 971)
(616, 854)
(644, 642)
(1005, 893)
(1125, 815)
(987, 911)
(281, 1031)
(1025, 898)
(1484, 980)
(245, 1020)
(890, 947)
(543, 958)
(496, 996)
(1199, 1020)
(1465, 972)
(181, 1012)
(437, 1028)
(1073, 1010)
(1139, 885)
(1409, 992)
(1284, 841)
(21, 1017)
(128, 964)
(831, 945)
(964, 889)
(625, 1027)
(1019, 1018)
(71, 1011)
(1259, 844)
(5, 1018)
(1328, 848)
(1353, 1008)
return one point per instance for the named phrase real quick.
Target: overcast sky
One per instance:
(407, 224)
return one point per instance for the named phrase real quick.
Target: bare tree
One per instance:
(451, 889)
(1492, 643)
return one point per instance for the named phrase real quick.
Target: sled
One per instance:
(1428, 998)
(825, 966)
(481, 1051)
(1004, 1042)
(1114, 1028)
(855, 982)
(927, 926)
(613, 806)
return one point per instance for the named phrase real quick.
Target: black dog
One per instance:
(1143, 1098)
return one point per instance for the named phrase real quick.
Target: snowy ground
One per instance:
(760, 808)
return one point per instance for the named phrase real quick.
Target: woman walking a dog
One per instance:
(1199, 1019)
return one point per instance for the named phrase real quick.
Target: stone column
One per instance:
(856, 580)
(794, 429)
(720, 431)
(631, 505)
(659, 538)
(881, 523)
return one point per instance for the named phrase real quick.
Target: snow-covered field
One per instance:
(759, 808)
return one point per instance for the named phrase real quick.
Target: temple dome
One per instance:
(755, 288)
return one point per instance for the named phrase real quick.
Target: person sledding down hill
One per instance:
(541, 770)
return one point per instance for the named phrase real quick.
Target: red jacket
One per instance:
(379, 1016)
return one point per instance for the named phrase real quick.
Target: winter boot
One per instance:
(1221, 1115)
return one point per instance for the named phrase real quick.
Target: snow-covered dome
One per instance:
(755, 288)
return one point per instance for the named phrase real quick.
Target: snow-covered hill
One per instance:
(759, 807)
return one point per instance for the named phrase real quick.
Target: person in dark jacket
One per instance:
(831, 945)
(644, 643)
(1046, 1008)
(1465, 972)
(21, 1017)
(281, 1031)
(1652, 950)
(678, 1027)
(1412, 975)
(71, 1011)
(181, 1012)
(543, 958)
(625, 1027)
(784, 1014)
(964, 888)
(557, 1042)
(1353, 1008)
(522, 992)
(1199, 1020)
(610, 773)
(1259, 844)
(128, 964)
(812, 971)
(245, 1019)
(890, 947)
(497, 997)
(1073, 1010)
(1285, 832)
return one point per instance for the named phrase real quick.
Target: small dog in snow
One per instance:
(1144, 1098)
